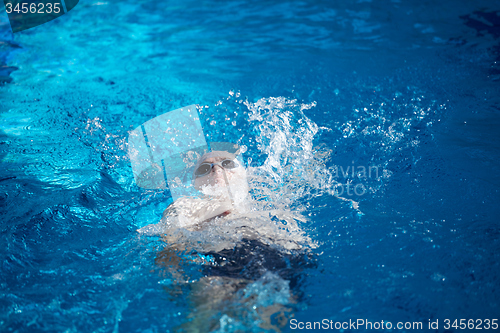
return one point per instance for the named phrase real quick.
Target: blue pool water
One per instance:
(409, 88)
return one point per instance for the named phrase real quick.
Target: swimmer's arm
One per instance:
(192, 213)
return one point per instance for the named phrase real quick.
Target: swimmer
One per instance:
(248, 248)
(233, 266)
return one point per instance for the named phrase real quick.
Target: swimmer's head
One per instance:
(215, 168)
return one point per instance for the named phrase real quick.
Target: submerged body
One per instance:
(245, 274)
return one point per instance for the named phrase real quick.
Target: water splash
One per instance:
(295, 169)
(291, 169)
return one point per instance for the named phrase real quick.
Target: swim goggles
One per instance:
(205, 168)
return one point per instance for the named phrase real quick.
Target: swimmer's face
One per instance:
(223, 162)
